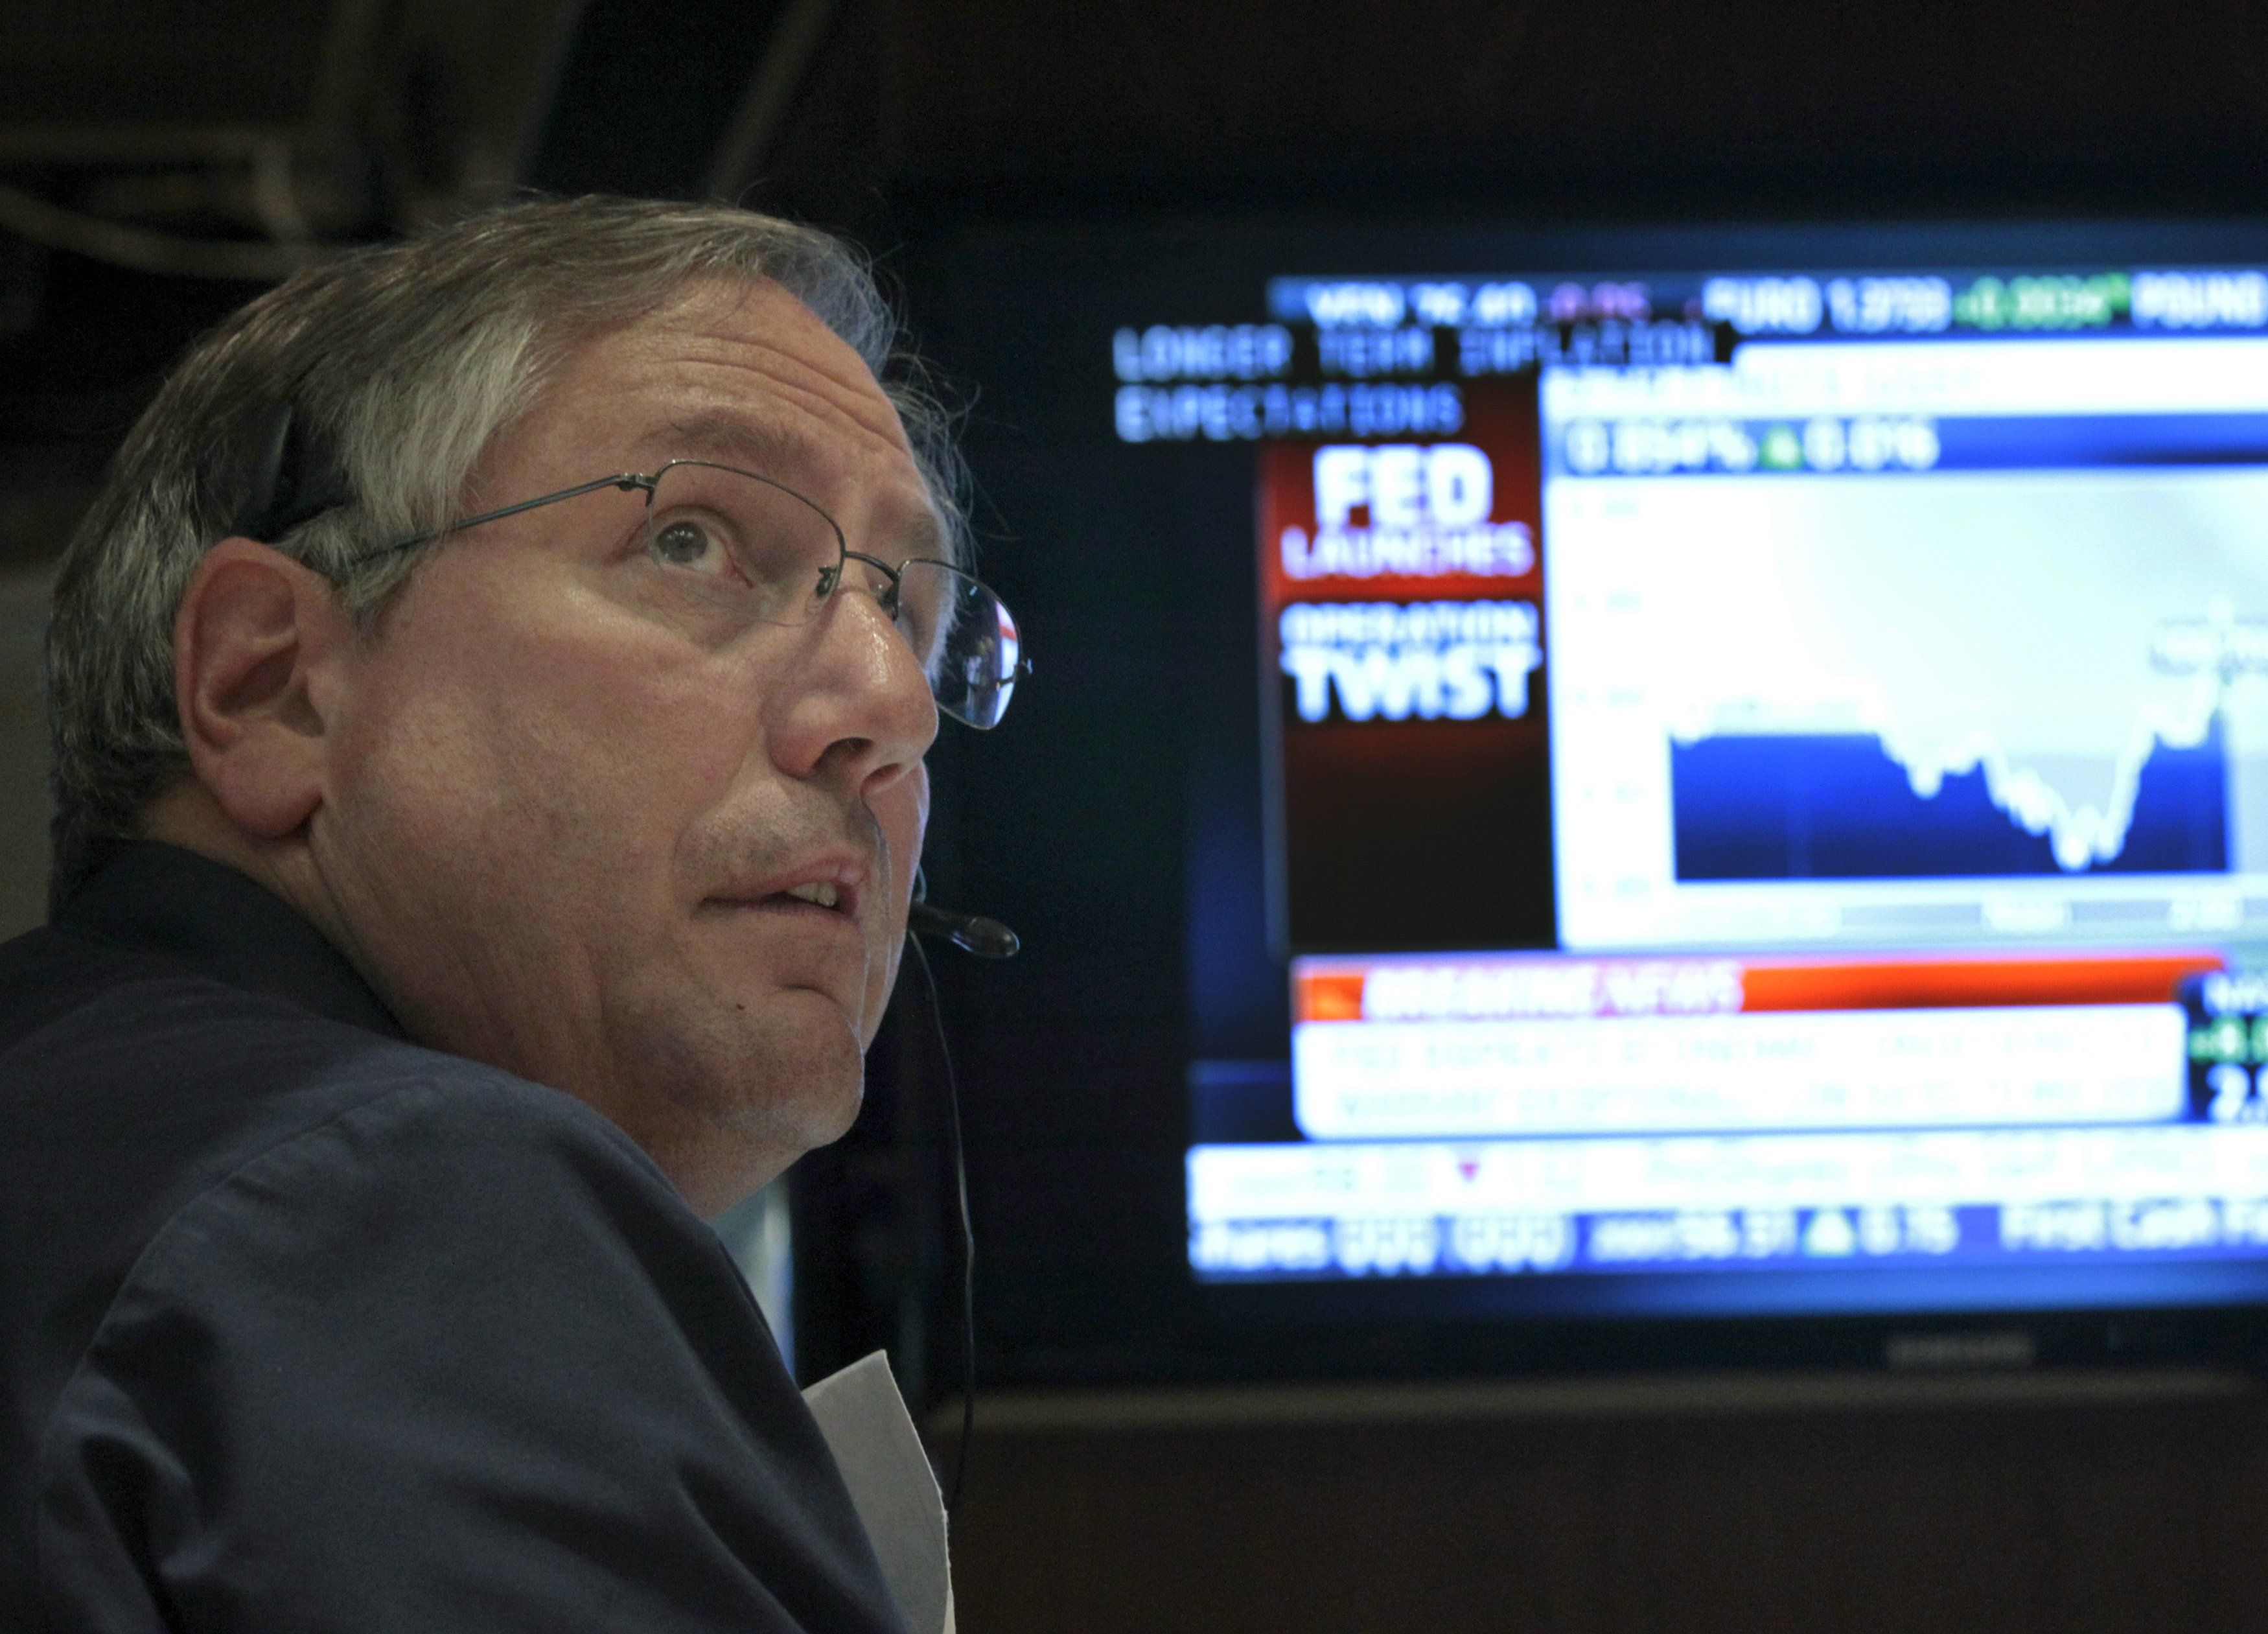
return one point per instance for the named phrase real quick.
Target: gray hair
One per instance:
(404, 361)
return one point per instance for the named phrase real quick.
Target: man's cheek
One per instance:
(904, 814)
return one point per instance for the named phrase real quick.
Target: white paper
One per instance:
(891, 1485)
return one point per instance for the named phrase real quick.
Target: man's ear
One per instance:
(256, 645)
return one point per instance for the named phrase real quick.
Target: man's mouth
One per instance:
(832, 888)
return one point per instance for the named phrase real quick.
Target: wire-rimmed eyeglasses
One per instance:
(779, 559)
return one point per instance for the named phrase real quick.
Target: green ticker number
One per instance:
(2065, 301)
(2230, 1039)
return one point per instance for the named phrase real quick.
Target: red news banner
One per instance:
(1514, 989)
(1401, 583)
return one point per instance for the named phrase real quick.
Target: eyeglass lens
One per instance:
(965, 639)
(786, 552)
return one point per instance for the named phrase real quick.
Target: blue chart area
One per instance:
(1838, 806)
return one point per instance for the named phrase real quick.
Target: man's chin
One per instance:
(799, 1087)
(782, 1068)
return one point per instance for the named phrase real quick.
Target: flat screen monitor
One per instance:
(1721, 774)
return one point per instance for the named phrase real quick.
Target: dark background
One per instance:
(213, 138)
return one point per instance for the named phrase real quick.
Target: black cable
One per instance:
(968, 1232)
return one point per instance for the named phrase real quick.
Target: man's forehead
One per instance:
(768, 443)
(750, 345)
(746, 375)
(753, 345)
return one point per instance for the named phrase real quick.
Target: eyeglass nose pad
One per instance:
(829, 577)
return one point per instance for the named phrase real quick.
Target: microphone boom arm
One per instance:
(971, 933)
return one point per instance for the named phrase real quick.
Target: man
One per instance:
(488, 701)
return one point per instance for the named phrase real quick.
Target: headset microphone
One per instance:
(971, 933)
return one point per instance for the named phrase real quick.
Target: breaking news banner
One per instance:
(1403, 649)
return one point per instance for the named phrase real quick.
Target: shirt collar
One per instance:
(221, 923)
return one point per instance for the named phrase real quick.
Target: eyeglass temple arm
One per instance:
(624, 480)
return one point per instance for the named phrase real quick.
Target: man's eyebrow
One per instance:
(765, 448)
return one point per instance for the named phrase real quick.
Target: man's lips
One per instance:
(835, 887)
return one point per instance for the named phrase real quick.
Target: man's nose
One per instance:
(855, 702)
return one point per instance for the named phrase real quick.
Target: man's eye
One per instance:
(686, 542)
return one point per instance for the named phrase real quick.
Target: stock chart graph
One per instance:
(1995, 696)
(1841, 806)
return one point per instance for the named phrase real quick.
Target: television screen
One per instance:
(1721, 773)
